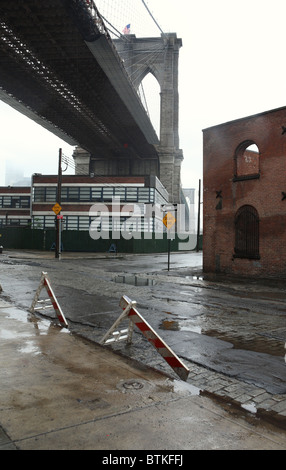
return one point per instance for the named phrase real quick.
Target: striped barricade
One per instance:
(114, 335)
(136, 318)
(52, 302)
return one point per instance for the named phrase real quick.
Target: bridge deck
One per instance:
(58, 68)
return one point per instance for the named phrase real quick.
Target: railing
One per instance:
(96, 16)
(99, 23)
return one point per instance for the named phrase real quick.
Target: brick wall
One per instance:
(235, 176)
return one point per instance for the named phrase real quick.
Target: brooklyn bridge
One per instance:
(65, 67)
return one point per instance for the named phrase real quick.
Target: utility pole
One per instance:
(169, 221)
(199, 218)
(58, 216)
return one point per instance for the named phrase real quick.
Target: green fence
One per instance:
(30, 239)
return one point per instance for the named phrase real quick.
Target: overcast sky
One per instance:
(232, 65)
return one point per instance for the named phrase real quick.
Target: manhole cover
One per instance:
(133, 385)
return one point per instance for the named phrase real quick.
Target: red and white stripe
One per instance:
(170, 357)
(54, 302)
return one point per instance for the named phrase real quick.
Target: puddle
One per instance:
(144, 386)
(9, 334)
(270, 343)
(251, 407)
(195, 278)
(42, 325)
(17, 314)
(180, 325)
(134, 280)
(182, 387)
(30, 348)
(252, 342)
(169, 325)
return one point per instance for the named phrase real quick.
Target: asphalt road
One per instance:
(235, 327)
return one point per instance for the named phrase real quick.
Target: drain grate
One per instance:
(135, 386)
(132, 385)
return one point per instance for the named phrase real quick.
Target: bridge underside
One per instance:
(59, 68)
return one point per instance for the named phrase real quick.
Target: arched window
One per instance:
(246, 161)
(247, 233)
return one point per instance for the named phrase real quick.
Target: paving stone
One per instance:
(5, 442)
(279, 407)
(261, 398)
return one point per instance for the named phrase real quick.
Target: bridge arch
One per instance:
(143, 72)
(150, 93)
(160, 57)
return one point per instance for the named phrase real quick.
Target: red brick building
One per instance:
(245, 196)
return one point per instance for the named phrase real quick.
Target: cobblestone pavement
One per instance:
(227, 390)
(104, 294)
(254, 399)
(251, 398)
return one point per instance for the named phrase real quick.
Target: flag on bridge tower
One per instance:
(127, 29)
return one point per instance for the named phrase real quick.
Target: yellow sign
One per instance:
(57, 208)
(169, 220)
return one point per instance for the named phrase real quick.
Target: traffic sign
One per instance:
(169, 207)
(57, 208)
(169, 220)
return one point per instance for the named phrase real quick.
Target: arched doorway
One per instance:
(247, 233)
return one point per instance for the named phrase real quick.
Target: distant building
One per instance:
(245, 196)
(14, 176)
(189, 195)
(15, 206)
(140, 198)
(80, 193)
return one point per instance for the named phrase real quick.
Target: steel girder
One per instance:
(60, 69)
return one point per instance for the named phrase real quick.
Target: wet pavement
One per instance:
(229, 332)
(62, 392)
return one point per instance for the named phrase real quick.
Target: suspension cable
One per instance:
(158, 26)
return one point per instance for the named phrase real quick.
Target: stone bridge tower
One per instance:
(160, 57)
